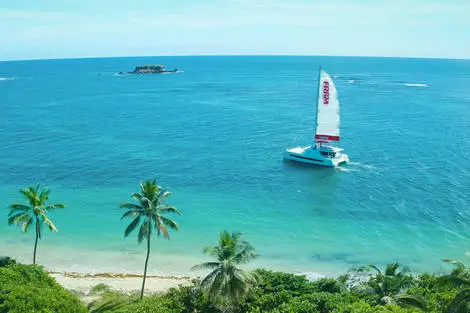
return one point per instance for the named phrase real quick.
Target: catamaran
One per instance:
(327, 129)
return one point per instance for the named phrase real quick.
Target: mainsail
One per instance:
(327, 109)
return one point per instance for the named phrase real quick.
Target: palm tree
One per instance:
(459, 276)
(227, 284)
(148, 216)
(390, 285)
(35, 211)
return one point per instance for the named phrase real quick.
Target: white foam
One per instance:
(7, 78)
(344, 169)
(357, 164)
(166, 73)
(415, 85)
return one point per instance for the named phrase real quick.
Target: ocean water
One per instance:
(214, 135)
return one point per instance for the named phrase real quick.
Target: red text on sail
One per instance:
(326, 92)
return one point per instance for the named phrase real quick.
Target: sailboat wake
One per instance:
(360, 165)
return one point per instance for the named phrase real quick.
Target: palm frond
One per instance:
(28, 193)
(391, 269)
(23, 219)
(149, 189)
(210, 251)
(15, 207)
(162, 229)
(131, 206)
(18, 218)
(246, 254)
(217, 286)
(26, 224)
(238, 285)
(168, 209)
(132, 226)
(411, 301)
(163, 194)
(145, 230)
(52, 207)
(48, 222)
(207, 281)
(207, 265)
(137, 196)
(460, 303)
(131, 214)
(456, 263)
(375, 268)
(44, 195)
(169, 222)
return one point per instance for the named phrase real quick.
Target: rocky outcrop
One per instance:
(150, 69)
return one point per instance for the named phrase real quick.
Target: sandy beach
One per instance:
(126, 283)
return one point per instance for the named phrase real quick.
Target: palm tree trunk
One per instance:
(36, 241)
(146, 262)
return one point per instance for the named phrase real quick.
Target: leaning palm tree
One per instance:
(226, 284)
(34, 211)
(148, 216)
(390, 286)
(460, 276)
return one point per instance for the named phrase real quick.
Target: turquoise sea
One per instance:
(214, 135)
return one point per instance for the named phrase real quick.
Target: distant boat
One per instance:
(327, 129)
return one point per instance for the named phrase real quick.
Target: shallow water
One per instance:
(214, 135)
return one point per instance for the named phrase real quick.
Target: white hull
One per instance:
(316, 155)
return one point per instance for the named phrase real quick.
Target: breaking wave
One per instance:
(415, 85)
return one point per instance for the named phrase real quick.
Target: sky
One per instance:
(49, 29)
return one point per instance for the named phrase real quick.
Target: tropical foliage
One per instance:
(148, 215)
(29, 289)
(460, 277)
(226, 285)
(34, 211)
(390, 285)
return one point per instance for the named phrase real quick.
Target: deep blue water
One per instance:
(214, 135)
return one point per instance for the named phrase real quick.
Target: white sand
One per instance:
(126, 285)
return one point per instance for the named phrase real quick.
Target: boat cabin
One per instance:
(327, 150)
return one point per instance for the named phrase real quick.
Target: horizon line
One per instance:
(232, 55)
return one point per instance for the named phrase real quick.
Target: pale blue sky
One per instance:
(37, 29)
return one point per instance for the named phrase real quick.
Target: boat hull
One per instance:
(311, 155)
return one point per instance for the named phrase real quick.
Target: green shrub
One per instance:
(29, 289)
(5, 261)
(192, 298)
(296, 285)
(99, 288)
(364, 307)
(329, 285)
(114, 302)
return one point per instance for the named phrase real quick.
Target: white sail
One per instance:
(327, 109)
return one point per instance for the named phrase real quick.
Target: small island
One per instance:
(150, 69)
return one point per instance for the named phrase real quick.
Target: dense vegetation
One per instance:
(29, 289)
